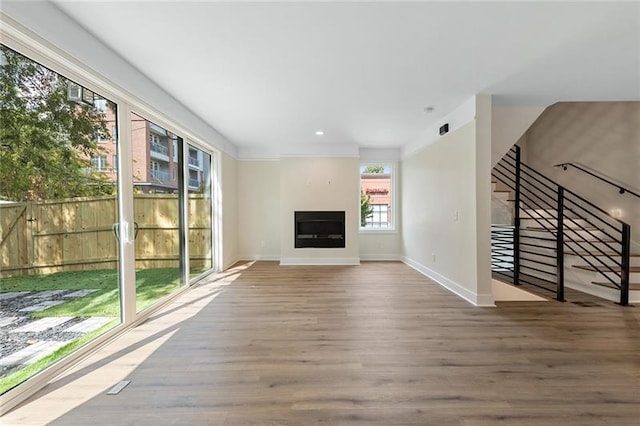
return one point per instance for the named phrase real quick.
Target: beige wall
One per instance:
(483, 167)
(259, 215)
(259, 209)
(440, 220)
(381, 245)
(319, 184)
(602, 135)
(508, 124)
(229, 199)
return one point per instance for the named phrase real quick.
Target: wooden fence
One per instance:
(77, 234)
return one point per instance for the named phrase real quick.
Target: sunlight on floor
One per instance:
(117, 360)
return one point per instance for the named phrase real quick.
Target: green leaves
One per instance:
(46, 140)
(366, 210)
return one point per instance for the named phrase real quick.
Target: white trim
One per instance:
(216, 211)
(260, 257)
(381, 257)
(378, 231)
(471, 297)
(273, 160)
(395, 205)
(320, 150)
(232, 262)
(287, 261)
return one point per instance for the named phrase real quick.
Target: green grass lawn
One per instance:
(27, 371)
(151, 285)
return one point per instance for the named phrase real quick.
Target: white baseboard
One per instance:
(471, 297)
(231, 263)
(381, 257)
(258, 257)
(289, 261)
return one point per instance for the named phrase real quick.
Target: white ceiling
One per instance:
(271, 74)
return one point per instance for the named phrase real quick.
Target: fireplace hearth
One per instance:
(319, 229)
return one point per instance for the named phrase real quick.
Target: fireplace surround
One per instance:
(319, 229)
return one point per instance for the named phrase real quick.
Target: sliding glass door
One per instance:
(157, 178)
(102, 214)
(59, 252)
(200, 211)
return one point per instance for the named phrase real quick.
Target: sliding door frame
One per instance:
(26, 42)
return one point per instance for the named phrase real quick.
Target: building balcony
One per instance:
(160, 176)
(194, 162)
(159, 151)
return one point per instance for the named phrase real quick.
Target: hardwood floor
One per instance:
(376, 344)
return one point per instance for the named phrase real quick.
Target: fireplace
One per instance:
(320, 229)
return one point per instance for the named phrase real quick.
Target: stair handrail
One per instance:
(599, 175)
(590, 211)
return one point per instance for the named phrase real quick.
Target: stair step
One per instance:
(585, 254)
(539, 213)
(540, 228)
(571, 237)
(632, 269)
(632, 286)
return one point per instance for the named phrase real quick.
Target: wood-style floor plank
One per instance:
(375, 344)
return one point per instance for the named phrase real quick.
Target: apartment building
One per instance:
(154, 155)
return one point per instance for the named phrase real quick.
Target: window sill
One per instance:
(378, 231)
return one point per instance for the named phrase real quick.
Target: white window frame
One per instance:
(394, 210)
(99, 162)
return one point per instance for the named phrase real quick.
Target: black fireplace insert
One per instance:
(319, 229)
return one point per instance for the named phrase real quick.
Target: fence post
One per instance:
(624, 277)
(516, 222)
(560, 246)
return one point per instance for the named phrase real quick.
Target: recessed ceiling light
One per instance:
(429, 109)
(319, 133)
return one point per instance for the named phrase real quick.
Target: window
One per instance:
(99, 162)
(114, 163)
(175, 150)
(194, 180)
(82, 275)
(376, 196)
(114, 133)
(100, 104)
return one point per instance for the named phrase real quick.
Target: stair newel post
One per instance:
(516, 222)
(626, 254)
(560, 246)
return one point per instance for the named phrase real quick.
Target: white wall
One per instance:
(259, 209)
(483, 137)
(259, 216)
(602, 135)
(319, 184)
(381, 245)
(508, 124)
(445, 222)
(229, 191)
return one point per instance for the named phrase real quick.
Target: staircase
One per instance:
(556, 238)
